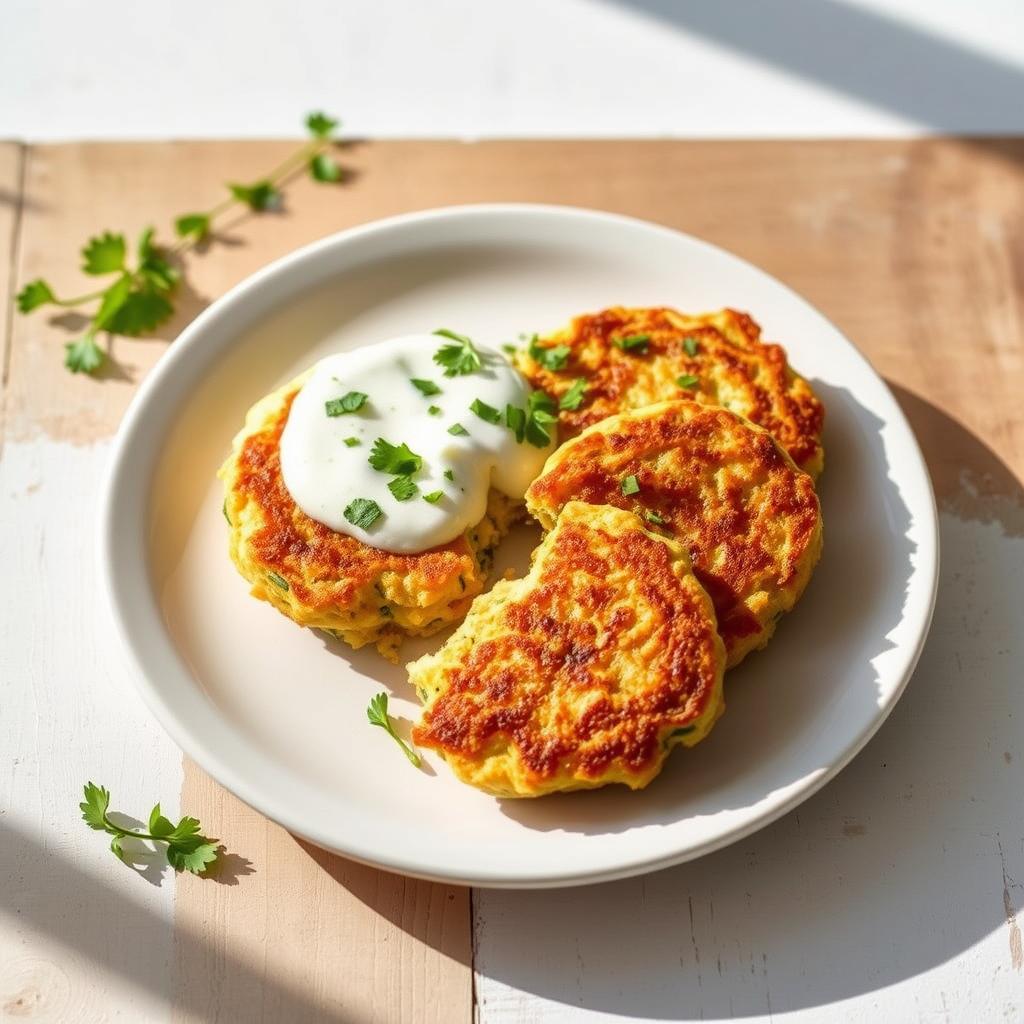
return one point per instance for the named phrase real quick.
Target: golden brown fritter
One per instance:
(328, 580)
(714, 358)
(718, 484)
(586, 672)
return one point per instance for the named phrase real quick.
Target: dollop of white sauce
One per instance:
(324, 475)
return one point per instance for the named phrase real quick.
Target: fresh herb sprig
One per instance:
(140, 297)
(377, 713)
(458, 358)
(187, 849)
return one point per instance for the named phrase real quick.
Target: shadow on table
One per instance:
(95, 918)
(893, 869)
(936, 81)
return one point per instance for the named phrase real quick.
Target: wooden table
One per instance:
(891, 895)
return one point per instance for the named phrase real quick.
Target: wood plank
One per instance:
(12, 156)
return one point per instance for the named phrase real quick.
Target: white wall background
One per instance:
(482, 68)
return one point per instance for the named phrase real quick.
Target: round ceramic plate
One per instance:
(277, 713)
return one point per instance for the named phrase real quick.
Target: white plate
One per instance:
(277, 715)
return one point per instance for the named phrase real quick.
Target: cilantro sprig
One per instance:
(139, 297)
(187, 849)
(458, 358)
(552, 358)
(377, 713)
(397, 459)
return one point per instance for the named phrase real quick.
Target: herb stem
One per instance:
(295, 160)
(80, 300)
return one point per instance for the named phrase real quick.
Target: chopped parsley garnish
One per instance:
(688, 380)
(629, 485)
(458, 358)
(574, 396)
(398, 459)
(278, 581)
(515, 420)
(363, 512)
(377, 714)
(449, 475)
(434, 410)
(633, 342)
(486, 412)
(433, 497)
(540, 415)
(653, 517)
(224, 509)
(351, 442)
(425, 387)
(690, 344)
(553, 358)
(352, 402)
(510, 348)
(458, 430)
(403, 488)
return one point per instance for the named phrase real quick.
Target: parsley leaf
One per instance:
(540, 415)
(196, 225)
(154, 269)
(653, 517)
(403, 488)
(186, 849)
(449, 475)
(434, 410)
(458, 430)
(35, 294)
(515, 420)
(424, 387)
(690, 344)
(94, 807)
(352, 442)
(262, 195)
(363, 512)
(629, 485)
(633, 342)
(398, 459)
(84, 355)
(553, 358)
(323, 167)
(486, 412)
(141, 310)
(278, 581)
(688, 380)
(321, 126)
(459, 358)
(351, 402)
(433, 497)
(104, 254)
(377, 714)
(574, 396)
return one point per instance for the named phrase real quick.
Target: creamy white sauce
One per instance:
(324, 475)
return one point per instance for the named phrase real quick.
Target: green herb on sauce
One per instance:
(363, 512)
(352, 402)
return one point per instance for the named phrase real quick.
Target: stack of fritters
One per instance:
(578, 675)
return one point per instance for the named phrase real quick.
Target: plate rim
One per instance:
(110, 511)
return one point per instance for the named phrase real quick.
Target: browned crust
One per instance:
(553, 649)
(750, 519)
(323, 568)
(734, 367)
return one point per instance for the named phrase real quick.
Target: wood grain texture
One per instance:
(914, 248)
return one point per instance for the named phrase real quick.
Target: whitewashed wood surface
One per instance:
(892, 895)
